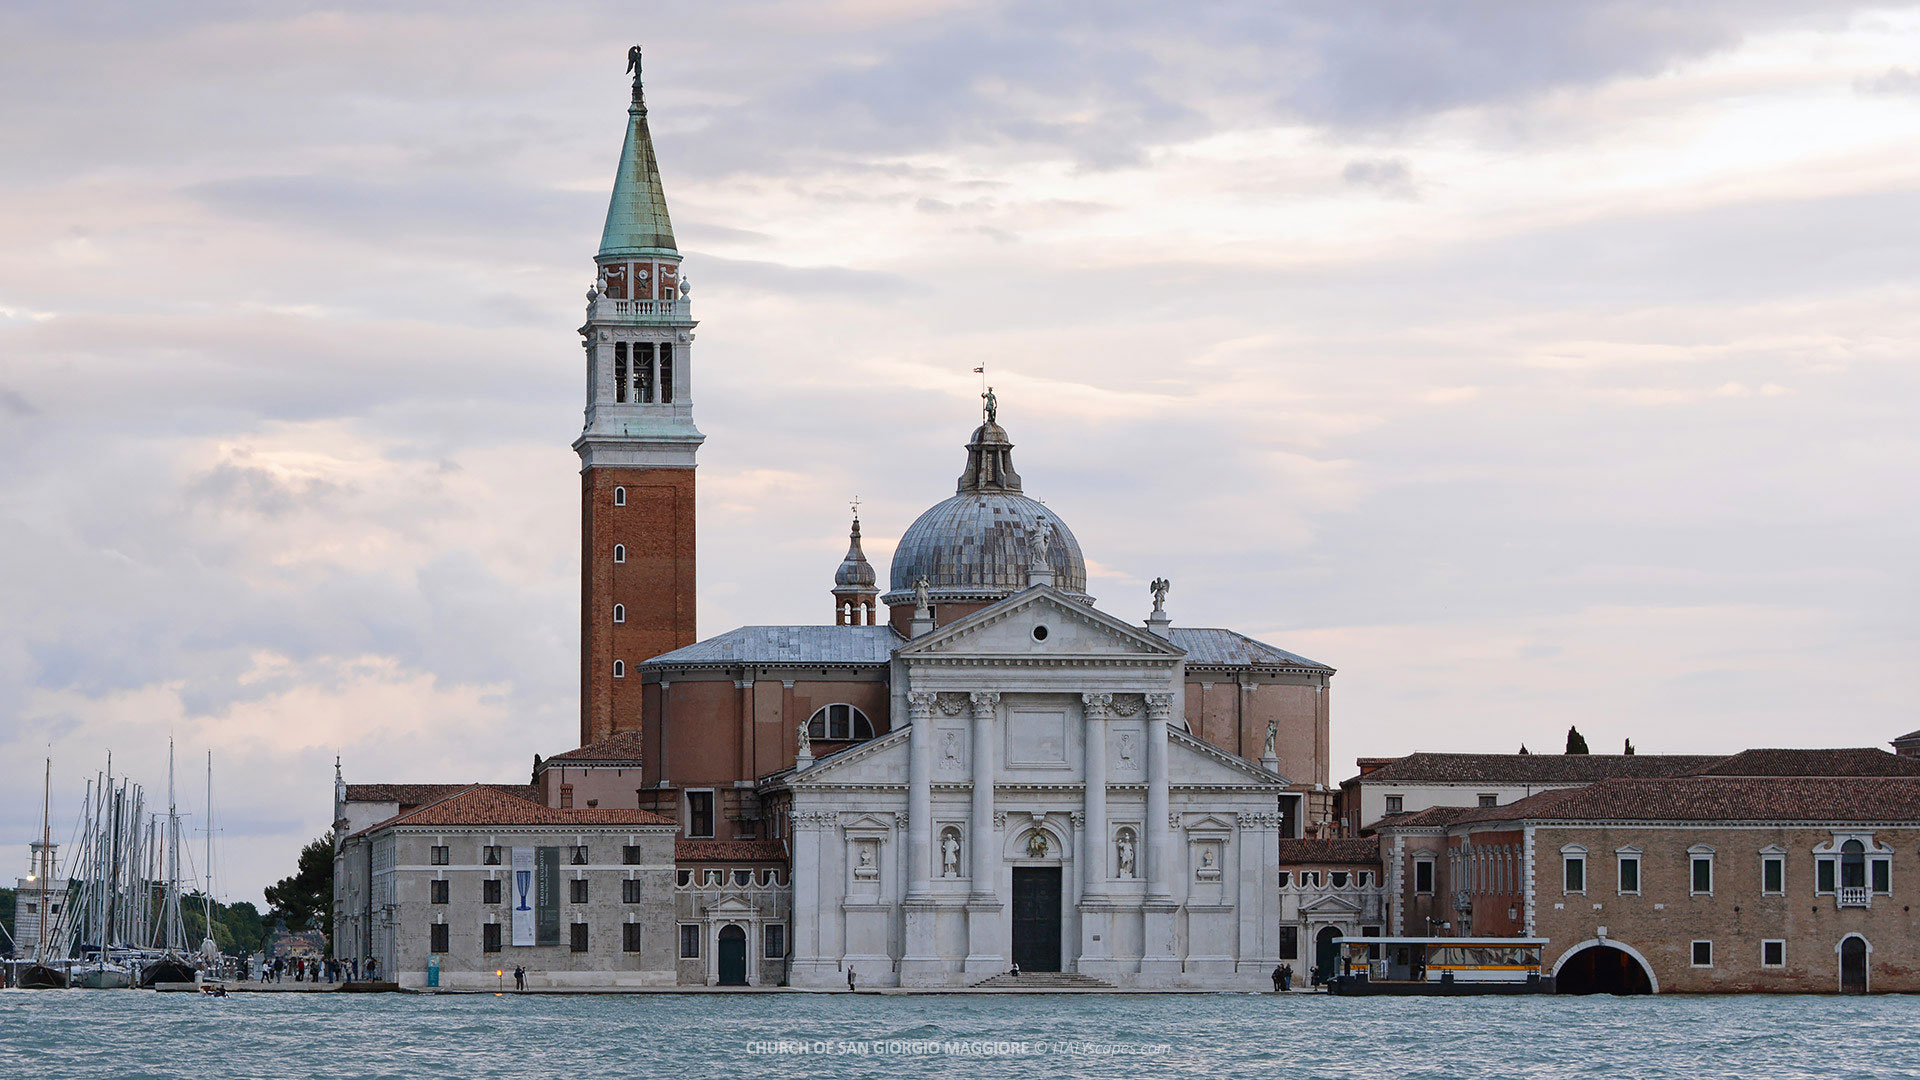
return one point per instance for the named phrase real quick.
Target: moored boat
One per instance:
(1438, 967)
(41, 977)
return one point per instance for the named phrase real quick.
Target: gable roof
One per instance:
(1845, 761)
(1215, 647)
(622, 747)
(409, 796)
(862, 645)
(1535, 768)
(1433, 817)
(1362, 850)
(1840, 800)
(1147, 644)
(493, 804)
(729, 851)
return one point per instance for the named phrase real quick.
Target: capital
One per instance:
(920, 703)
(1159, 706)
(1098, 706)
(984, 701)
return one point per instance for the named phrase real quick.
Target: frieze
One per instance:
(1251, 822)
(953, 704)
(1126, 704)
(807, 820)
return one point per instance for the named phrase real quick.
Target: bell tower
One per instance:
(637, 448)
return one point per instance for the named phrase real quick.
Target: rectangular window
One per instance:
(1286, 878)
(1423, 876)
(490, 891)
(1882, 875)
(700, 814)
(1575, 874)
(438, 856)
(775, 946)
(666, 372)
(1773, 875)
(1489, 800)
(1289, 943)
(437, 938)
(690, 942)
(630, 854)
(630, 891)
(1702, 874)
(1703, 954)
(577, 891)
(620, 371)
(1629, 874)
(580, 857)
(630, 937)
(1823, 875)
(566, 790)
(437, 892)
(490, 937)
(643, 372)
(746, 830)
(490, 855)
(577, 941)
(1394, 803)
(1773, 954)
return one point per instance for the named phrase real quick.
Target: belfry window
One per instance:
(643, 372)
(619, 496)
(666, 372)
(839, 722)
(619, 371)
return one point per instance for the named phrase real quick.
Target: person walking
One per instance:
(1279, 977)
(849, 980)
(1286, 977)
(519, 977)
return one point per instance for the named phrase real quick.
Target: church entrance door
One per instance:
(733, 956)
(1036, 918)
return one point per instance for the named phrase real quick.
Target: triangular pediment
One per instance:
(1215, 765)
(1331, 903)
(874, 759)
(1041, 623)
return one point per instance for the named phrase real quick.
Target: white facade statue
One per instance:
(922, 603)
(1159, 589)
(949, 853)
(806, 739)
(1042, 541)
(1273, 737)
(1123, 854)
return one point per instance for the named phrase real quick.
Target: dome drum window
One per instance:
(839, 722)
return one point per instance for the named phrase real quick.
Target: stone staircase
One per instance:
(1044, 980)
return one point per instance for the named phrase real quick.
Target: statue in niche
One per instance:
(1206, 859)
(864, 868)
(950, 853)
(1159, 589)
(1273, 736)
(1123, 854)
(1036, 845)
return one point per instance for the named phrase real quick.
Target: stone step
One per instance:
(1044, 980)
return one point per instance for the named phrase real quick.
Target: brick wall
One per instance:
(655, 584)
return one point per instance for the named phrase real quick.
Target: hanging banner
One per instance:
(546, 896)
(522, 898)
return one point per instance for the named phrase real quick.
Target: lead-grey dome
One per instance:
(977, 545)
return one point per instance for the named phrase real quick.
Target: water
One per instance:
(109, 1035)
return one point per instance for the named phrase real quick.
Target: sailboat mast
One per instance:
(46, 842)
(209, 830)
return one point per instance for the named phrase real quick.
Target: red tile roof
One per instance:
(1848, 761)
(495, 804)
(1836, 800)
(621, 747)
(1361, 850)
(1535, 768)
(1433, 817)
(410, 795)
(729, 851)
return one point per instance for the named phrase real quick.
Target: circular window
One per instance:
(1039, 633)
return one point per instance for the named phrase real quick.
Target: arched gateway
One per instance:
(1604, 967)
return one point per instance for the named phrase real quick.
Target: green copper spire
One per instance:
(637, 222)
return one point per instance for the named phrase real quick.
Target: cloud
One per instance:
(1895, 81)
(1391, 176)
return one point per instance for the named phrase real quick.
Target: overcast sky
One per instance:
(1532, 364)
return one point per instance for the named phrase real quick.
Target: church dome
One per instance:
(978, 545)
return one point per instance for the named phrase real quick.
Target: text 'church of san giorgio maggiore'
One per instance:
(996, 772)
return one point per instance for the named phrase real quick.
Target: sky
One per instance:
(1533, 365)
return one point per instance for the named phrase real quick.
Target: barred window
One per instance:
(630, 937)
(630, 891)
(577, 890)
(490, 891)
(578, 939)
(437, 938)
(490, 937)
(690, 941)
(776, 942)
(437, 891)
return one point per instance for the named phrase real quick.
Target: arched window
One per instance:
(839, 722)
(619, 669)
(619, 496)
(619, 613)
(619, 553)
(1853, 865)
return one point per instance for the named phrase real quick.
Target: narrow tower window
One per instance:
(619, 669)
(666, 372)
(619, 553)
(643, 372)
(619, 371)
(619, 496)
(619, 613)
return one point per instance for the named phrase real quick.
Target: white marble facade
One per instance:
(1043, 746)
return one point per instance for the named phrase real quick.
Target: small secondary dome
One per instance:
(979, 544)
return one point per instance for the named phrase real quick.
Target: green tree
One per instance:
(1629, 750)
(305, 900)
(236, 927)
(1576, 742)
(7, 901)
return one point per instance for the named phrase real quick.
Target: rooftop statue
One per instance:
(992, 406)
(806, 740)
(633, 64)
(1159, 589)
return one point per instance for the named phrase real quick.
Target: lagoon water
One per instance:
(97, 1035)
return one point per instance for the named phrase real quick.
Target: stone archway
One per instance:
(1599, 966)
(1853, 950)
(1326, 955)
